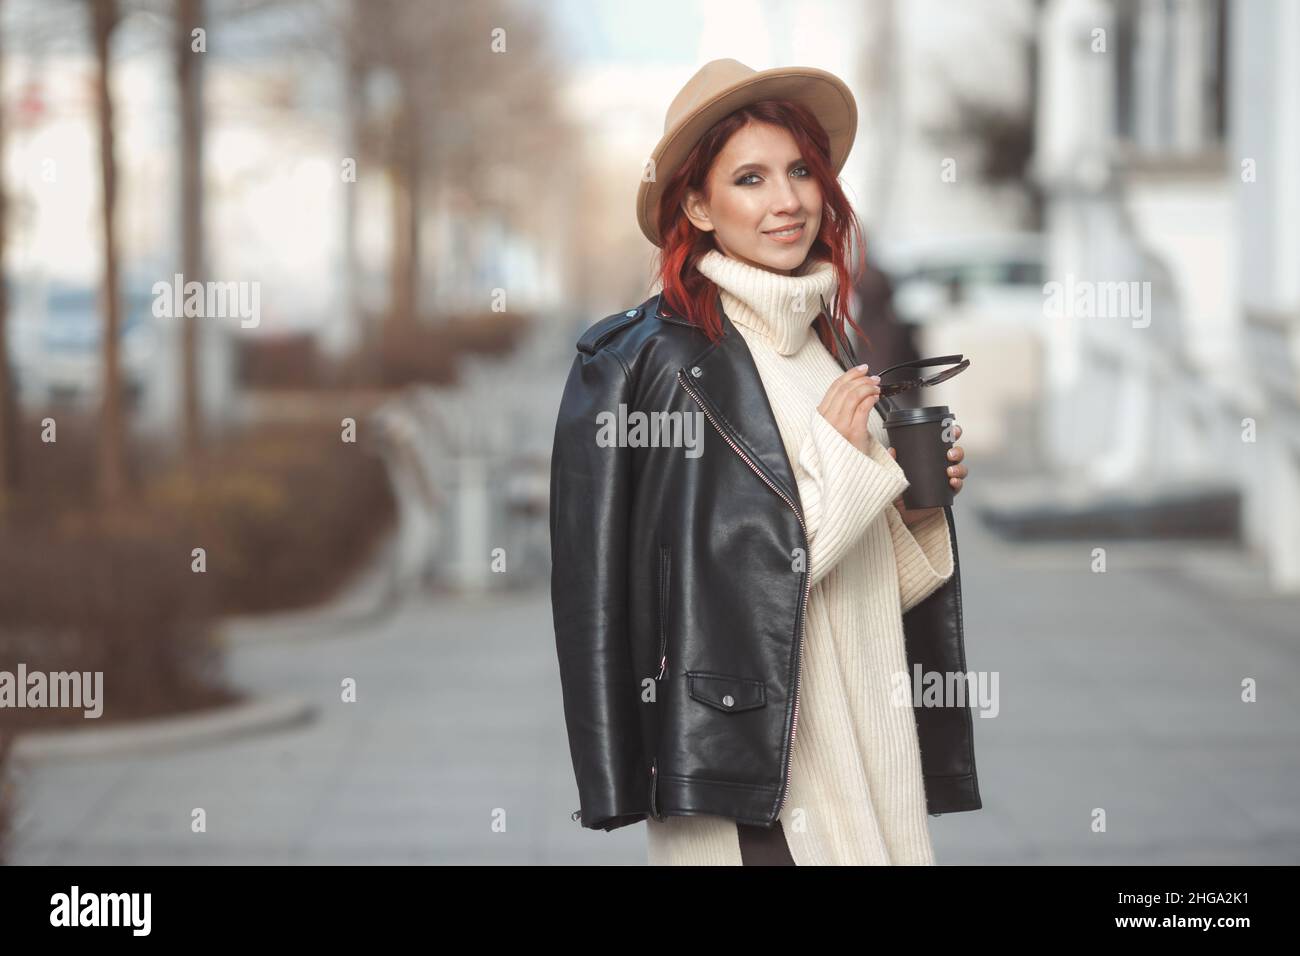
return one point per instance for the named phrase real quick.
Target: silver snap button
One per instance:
(728, 700)
(695, 370)
(630, 312)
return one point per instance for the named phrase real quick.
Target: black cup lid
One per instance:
(917, 416)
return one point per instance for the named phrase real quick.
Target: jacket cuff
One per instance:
(924, 556)
(842, 491)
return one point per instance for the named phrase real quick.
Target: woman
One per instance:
(739, 603)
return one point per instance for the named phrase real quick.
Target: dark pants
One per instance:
(760, 846)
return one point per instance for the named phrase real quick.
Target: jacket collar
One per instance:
(725, 374)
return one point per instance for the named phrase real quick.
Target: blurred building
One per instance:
(1264, 142)
(1165, 137)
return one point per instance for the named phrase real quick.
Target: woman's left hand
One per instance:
(956, 474)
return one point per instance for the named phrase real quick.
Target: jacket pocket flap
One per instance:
(726, 692)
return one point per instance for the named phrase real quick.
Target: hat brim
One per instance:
(825, 94)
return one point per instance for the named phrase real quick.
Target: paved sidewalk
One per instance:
(1118, 690)
(1122, 691)
(456, 724)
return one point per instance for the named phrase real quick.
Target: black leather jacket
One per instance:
(678, 618)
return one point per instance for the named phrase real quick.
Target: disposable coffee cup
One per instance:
(917, 437)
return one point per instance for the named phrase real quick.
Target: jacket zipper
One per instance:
(803, 601)
(663, 663)
(663, 610)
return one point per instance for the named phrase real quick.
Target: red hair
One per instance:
(694, 294)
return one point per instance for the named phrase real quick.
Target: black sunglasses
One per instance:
(893, 388)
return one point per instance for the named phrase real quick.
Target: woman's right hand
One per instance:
(848, 403)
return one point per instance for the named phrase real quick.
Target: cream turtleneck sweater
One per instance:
(856, 794)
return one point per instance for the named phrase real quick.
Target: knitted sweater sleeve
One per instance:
(924, 555)
(842, 491)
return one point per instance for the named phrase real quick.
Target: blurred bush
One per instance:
(85, 597)
(402, 353)
(282, 361)
(412, 353)
(430, 352)
(285, 514)
(488, 333)
(86, 591)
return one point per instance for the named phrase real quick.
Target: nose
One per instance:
(786, 199)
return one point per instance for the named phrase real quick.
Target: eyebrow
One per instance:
(761, 166)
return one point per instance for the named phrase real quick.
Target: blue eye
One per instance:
(741, 181)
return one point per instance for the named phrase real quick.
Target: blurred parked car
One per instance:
(981, 296)
(998, 277)
(55, 338)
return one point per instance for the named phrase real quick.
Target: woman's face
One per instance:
(759, 185)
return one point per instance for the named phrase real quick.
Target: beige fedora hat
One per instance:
(723, 86)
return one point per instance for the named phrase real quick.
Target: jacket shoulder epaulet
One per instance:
(600, 333)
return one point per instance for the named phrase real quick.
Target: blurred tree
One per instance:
(189, 85)
(8, 404)
(442, 105)
(354, 105)
(464, 109)
(104, 18)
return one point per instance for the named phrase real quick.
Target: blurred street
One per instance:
(289, 298)
(1118, 690)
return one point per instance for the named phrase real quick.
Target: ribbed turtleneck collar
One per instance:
(780, 308)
